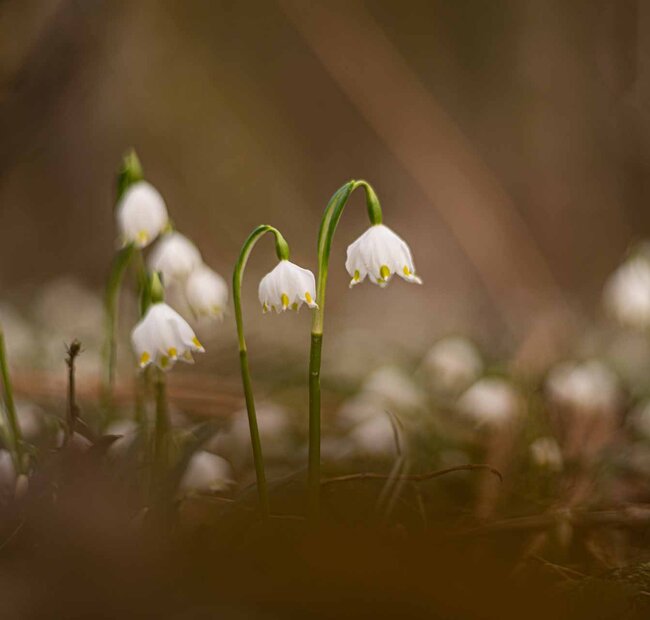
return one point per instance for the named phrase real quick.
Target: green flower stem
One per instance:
(129, 173)
(282, 251)
(111, 305)
(161, 432)
(14, 435)
(330, 221)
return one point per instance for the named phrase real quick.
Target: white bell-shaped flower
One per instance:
(288, 286)
(141, 214)
(379, 253)
(627, 293)
(162, 337)
(176, 257)
(206, 292)
(207, 473)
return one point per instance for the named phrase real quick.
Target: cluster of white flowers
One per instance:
(163, 336)
(181, 265)
(142, 218)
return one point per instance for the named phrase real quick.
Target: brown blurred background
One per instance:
(509, 142)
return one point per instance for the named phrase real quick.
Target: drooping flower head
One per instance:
(175, 256)
(379, 253)
(141, 214)
(206, 292)
(162, 337)
(288, 286)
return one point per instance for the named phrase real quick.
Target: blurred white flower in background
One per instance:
(206, 293)
(175, 256)
(491, 402)
(545, 452)
(7, 472)
(627, 292)
(584, 386)
(31, 419)
(65, 310)
(452, 365)
(141, 214)
(379, 253)
(374, 438)
(286, 287)
(162, 337)
(20, 336)
(391, 388)
(127, 430)
(358, 409)
(207, 473)
(585, 399)
(276, 434)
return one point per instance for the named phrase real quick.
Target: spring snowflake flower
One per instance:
(288, 286)
(379, 253)
(627, 292)
(162, 337)
(176, 257)
(206, 292)
(141, 214)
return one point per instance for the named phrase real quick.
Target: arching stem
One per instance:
(282, 250)
(330, 220)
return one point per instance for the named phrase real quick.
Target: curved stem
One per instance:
(10, 407)
(330, 221)
(282, 250)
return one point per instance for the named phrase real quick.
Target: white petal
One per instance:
(141, 214)
(286, 287)
(379, 253)
(175, 256)
(206, 292)
(162, 336)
